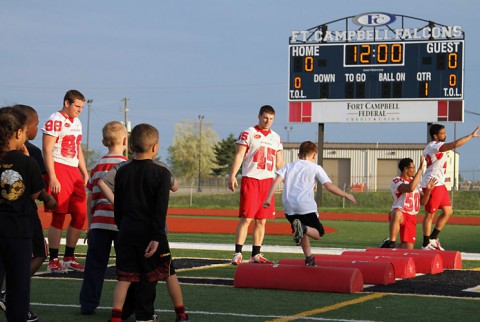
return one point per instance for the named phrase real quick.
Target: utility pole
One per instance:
(288, 129)
(89, 103)
(200, 119)
(125, 110)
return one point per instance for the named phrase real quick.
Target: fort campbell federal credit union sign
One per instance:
(376, 67)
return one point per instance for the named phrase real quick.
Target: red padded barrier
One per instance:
(404, 267)
(426, 262)
(299, 278)
(451, 259)
(372, 272)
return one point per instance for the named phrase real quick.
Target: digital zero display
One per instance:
(410, 70)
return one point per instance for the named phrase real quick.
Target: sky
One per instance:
(176, 60)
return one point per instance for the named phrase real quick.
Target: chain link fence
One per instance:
(214, 192)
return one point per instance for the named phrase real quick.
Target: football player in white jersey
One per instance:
(67, 178)
(259, 153)
(436, 159)
(408, 196)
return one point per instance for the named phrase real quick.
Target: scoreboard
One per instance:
(396, 70)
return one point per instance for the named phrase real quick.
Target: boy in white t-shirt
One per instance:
(299, 204)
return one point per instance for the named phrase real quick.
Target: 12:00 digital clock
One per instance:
(373, 54)
(392, 70)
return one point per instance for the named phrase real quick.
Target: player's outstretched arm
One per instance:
(458, 143)
(337, 191)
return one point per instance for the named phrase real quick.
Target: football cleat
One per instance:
(70, 263)
(297, 231)
(259, 259)
(434, 244)
(237, 259)
(54, 266)
(387, 243)
(310, 262)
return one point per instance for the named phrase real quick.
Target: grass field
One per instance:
(56, 299)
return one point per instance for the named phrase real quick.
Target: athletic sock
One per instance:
(435, 233)
(256, 250)
(116, 315)
(180, 311)
(426, 240)
(69, 251)
(53, 253)
(238, 248)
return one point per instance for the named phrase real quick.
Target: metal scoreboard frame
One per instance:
(380, 71)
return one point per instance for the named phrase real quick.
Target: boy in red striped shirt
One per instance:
(101, 223)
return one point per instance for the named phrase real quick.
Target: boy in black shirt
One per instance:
(141, 203)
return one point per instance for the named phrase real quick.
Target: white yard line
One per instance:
(194, 313)
(274, 249)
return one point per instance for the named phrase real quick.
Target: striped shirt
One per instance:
(101, 208)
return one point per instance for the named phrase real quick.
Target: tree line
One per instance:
(193, 151)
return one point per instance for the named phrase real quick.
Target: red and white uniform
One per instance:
(407, 202)
(101, 208)
(436, 163)
(262, 147)
(68, 132)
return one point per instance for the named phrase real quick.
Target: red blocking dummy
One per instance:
(451, 259)
(372, 272)
(404, 267)
(299, 278)
(426, 263)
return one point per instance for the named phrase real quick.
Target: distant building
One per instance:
(370, 166)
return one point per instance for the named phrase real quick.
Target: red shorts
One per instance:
(408, 228)
(72, 197)
(253, 193)
(439, 197)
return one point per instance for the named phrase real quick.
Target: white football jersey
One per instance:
(436, 163)
(68, 132)
(260, 158)
(408, 202)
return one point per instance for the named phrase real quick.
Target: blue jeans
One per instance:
(98, 254)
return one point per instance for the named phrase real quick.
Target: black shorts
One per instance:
(39, 245)
(310, 220)
(132, 264)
